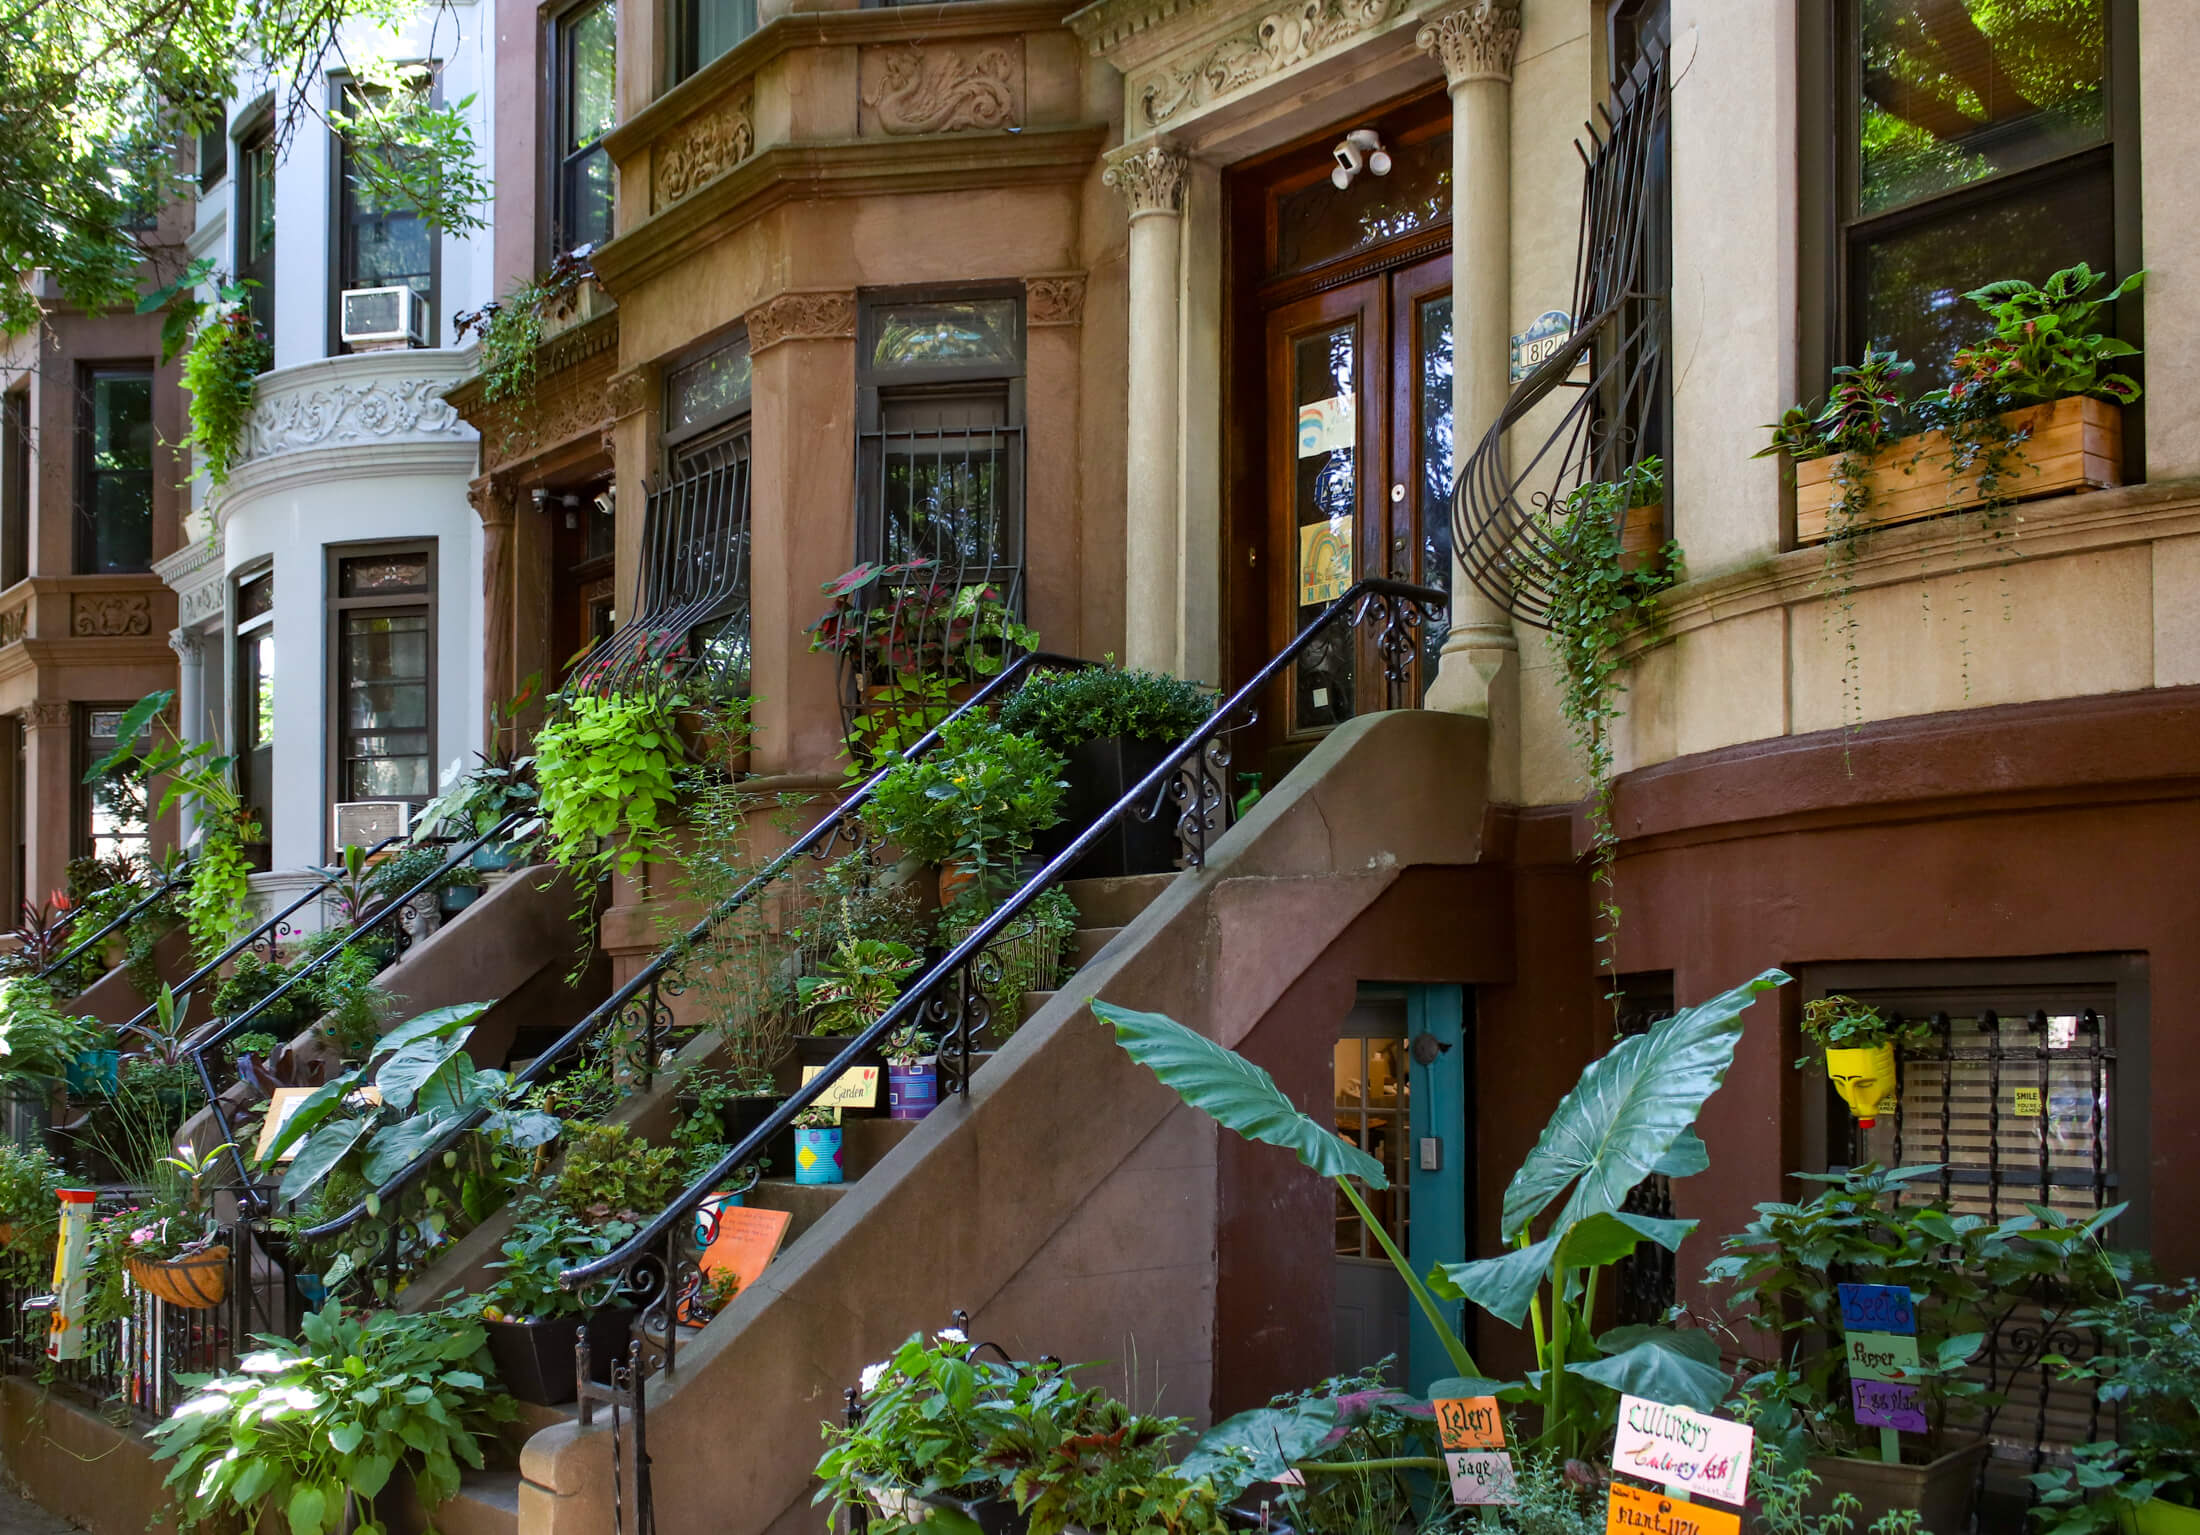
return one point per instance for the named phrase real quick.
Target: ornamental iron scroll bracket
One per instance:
(1608, 379)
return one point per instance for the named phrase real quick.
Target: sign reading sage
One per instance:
(1471, 1431)
(1688, 1451)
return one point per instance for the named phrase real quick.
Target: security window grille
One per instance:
(256, 223)
(585, 110)
(381, 240)
(1646, 1276)
(114, 512)
(384, 615)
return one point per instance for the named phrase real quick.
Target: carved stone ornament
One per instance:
(375, 411)
(1054, 300)
(626, 394)
(201, 602)
(1277, 41)
(185, 643)
(493, 500)
(702, 148)
(944, 92)
(49, 714)
(15, 623)
(1151, 180)
(108, 614)
(1475, 41)
(801, 316)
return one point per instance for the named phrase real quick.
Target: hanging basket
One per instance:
(199, 1282)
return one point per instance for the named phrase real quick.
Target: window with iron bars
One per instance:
(1647, 1287)
(2017, 1097)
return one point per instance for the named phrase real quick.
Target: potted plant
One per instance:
(1025, 956)
(471, 802)
(857, 983)
(461, 890)
(715, 1110)
(971, 805)
(607, 769)
(534, 1322)
(2147, 1375)
(1111, 727)
(1858, 1045)
(1972, 1285)
(817, 1145)
(176, 1251)
(912, 1075)
(2038, 391)
(247, 1444)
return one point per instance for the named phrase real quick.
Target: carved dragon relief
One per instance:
(942, 91)
(1278, 41)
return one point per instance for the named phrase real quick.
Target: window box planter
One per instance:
(1099, 773)
(2159, 1516)
(538, 1361)
(1642, 536)
(2075, 444)
(993, 1515)
(1941, 1492)
(199, 1282)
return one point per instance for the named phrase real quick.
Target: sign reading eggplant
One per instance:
(1887, 1404)
(1688, 1451)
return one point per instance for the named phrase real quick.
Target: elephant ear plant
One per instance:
(1631, 1114)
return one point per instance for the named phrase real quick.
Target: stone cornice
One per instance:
(1105, 24)
(702, 91)
(948, 162)
(566, 350)
(191, 561)
(351, 461)
(383, 401)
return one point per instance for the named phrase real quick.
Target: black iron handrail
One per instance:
(814, 843)
(392, 910)
(173, 876)
(951, 992)
(269, 929)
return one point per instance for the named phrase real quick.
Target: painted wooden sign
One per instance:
(855, 1088)
(1641, 1511)
(1887, 1404)
(1480, 1478)
(1877, 1308)
(736, 1240)
(1881, 1356)
(1469, 1423)
(65, 1333)
(1688, 1451)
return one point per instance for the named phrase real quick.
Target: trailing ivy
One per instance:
(220, 372)
(607, 769)
(511, 341)
(1599, 608)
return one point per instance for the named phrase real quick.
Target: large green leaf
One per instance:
(328, 1146)
(436, 1023)
(403, 1073)
(307, 1116)
(1505, 1285)
(1603, 1239)
(1260, 1445)
(394, 1146)
(1630, 1107)
(1662, 1364)
(1241, 1097)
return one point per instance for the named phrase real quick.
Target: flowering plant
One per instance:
(914, 622)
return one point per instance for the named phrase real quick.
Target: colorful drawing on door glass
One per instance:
(1325, 560)
(1328, 426)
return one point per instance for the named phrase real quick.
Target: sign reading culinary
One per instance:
(1688, 1451)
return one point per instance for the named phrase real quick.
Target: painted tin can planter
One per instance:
(912, 1091)
(817, 1154)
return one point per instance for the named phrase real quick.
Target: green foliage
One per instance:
(1599, 608)
(858, 982)
(1859, 415)
(609, 1173)
(411, 151)
(977, 797)
(1968, 1277)
(30, 1183)
(2047, 343)
(313, 1430)
(607, 768)
(1065, 709)
(1026, 955)
(1629, 1116)
(1782, 1486)
(1842, 1023)
(38, 1042)
(220, 373)
(895, 716)
(545, 1240)
(2147, 1378)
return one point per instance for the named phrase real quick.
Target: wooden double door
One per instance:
(1359, 463)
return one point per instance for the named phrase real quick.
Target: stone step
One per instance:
(1034, 1000)
(486, 1503)
(512, 1437)
(1090, 941)
(806, 1202)
(865, 1142)
(1115, 902)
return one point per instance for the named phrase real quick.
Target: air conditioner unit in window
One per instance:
(362, 823)
(384, 317)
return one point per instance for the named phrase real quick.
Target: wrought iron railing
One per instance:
(658, 1266)
(390, 922)
(1509, 511)
(641, 1005)
(175, 875)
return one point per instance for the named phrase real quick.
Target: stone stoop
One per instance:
(1068, 1202)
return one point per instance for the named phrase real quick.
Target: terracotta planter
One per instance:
(2157, 1517)
(1942, 1492)
(2075, 444)
(1642, 537)
(956, 876)
(197, 1283)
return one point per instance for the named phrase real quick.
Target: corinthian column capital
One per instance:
(1151, 179)
(1475, 41)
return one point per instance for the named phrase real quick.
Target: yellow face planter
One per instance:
(1865, 1079)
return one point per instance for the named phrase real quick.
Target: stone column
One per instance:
(1151, 180)
(1476, 43)
(50, 795)
(191, 705)
(493, 502)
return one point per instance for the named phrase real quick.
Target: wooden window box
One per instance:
(2075, 444)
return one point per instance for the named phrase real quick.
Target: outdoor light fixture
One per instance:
(1362, 149)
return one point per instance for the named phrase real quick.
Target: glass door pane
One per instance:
(1432, 469)
(1325, 498)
